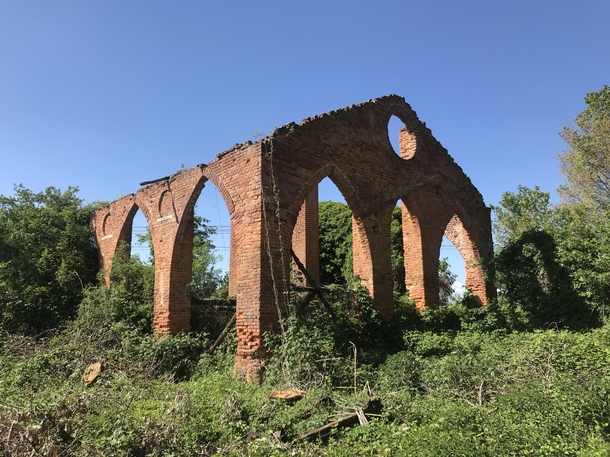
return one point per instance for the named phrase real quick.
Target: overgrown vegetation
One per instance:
(472, 391)
(527, 375)
(47, 257)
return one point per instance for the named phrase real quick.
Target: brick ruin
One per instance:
(270, 190)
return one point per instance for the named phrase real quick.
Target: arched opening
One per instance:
(336, 240)
(211, 305)
(130, 269)
(398, 250)
(322, 237)
(466, 250)
(451, 273)
(452, 270)
(349, 246)
(141, 241)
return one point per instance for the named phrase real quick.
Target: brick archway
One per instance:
(266, 184)
(370, 239)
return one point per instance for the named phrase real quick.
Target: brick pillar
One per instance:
(173, 271)
(306, 236)
(422, 249)
(372, 258)
(232, 263)
(262, 269)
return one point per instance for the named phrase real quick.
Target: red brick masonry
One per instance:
(270, 189)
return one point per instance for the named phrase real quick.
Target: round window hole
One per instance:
(403, 142)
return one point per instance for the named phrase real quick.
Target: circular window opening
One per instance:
(403, 142)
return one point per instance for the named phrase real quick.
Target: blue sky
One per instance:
(105, 94)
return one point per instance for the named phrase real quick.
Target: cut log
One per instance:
(92, 373)
(288, 395)
(372, 406)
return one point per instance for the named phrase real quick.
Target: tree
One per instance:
(586, 162)
(128, 299)
(446, 279)
(517, 213)
(398, 256)
(584, 242)
(207, 280)
(550, 260)
(583, 247)
(336, 255)
(47, 257)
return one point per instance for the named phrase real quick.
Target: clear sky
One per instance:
(105, 94)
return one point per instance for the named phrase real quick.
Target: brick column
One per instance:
(306, 236)
(373, 258)
(261, 268)
(173, 268)
(422, 249)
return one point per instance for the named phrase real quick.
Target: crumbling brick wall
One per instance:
(270, 189)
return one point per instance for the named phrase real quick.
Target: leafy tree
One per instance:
(446, 279)
(517, 213)
(584, 239)
(586, 162)
(398, 258)
(128, 299)
(532, 278)
(336, 254)
(550, 260)
(47, 257)
(583, 248)
(207, 280)
(551, 254)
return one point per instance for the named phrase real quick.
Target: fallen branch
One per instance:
(371, 407)
(222, 336)
(318, 290)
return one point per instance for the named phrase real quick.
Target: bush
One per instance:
(47, 257)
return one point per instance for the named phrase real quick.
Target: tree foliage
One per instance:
(446, 279)
(207, 280)
(336, 256)
(47, 257)
(128, 299)
(551, 262)
(586, 162)
(398, 256)
(554, 260)
(517, 213)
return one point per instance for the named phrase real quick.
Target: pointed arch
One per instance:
(461, 231)
(370, 235)
(208, 172)
(338, 178)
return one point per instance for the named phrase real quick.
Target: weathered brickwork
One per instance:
(270, 189)
(306, 238)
